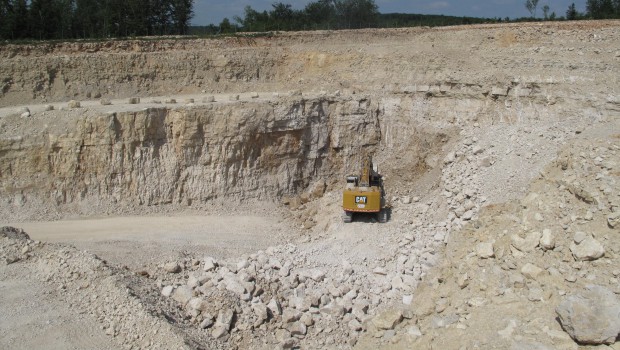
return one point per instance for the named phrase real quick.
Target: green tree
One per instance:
(593, 8)
(357, 13)
(7, 19)
(87, 19)
(137, 17)
(282, 16)
(546, 12)
(20, 15)
(58, 19)
(253, 20)
(160, 17)
(45, 19)
(320, 12)
(226, 26)
(182, 13)
(601, 9)
(531, 6)
(66, 8)
(14, 19)
(571, 13)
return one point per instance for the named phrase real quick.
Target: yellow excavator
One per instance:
(364, 193)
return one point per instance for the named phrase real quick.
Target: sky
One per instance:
(213, 11)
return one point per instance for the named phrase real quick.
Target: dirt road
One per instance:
(139, 241)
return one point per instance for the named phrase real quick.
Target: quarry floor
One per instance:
(35, 317)
(136, 241)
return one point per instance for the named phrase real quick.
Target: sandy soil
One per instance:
(35, 316)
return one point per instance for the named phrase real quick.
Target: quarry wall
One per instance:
(324, 102)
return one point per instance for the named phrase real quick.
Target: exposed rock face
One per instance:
(101, 69)
(191, 155)
(591, 317)
(159, 156)
(121, 69)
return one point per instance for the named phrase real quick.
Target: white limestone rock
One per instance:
(592, 316)
(485, 250)
(588, 249)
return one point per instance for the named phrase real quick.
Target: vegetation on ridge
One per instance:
(94, 19)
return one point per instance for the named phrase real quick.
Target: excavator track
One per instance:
(347, 217)
(382, 216)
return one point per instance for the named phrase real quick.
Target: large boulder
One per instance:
(613, 220)
(591, 317)
(587, 249)
(313, 274)
(13, 233)
(388, 319)
(317, 189)
(527, 243)
(172, 267)
(485, 250)
(182, 295)
(209, 263)
(225, 317)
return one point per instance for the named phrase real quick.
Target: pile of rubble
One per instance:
(539, 272)
(507, 272)
(513, 263)
(87, 285)
(274, 298)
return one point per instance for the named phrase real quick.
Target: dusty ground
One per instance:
(141, 241)
(37, 315)
(158, 226)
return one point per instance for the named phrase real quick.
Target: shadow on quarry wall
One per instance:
(249, 150)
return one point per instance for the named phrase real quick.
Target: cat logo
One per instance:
(360, 199)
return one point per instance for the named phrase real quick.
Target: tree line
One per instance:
(70, 19)
(603, 9)
(335, 14)
(595, 9)
(352, 14)
(73, 19)
(327, 14)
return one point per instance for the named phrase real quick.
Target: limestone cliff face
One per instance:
(238, 150)
(185, 155)
(402, 95)
(558, 60)
(94, 70)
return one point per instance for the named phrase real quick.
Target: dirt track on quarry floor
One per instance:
(140, 241)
